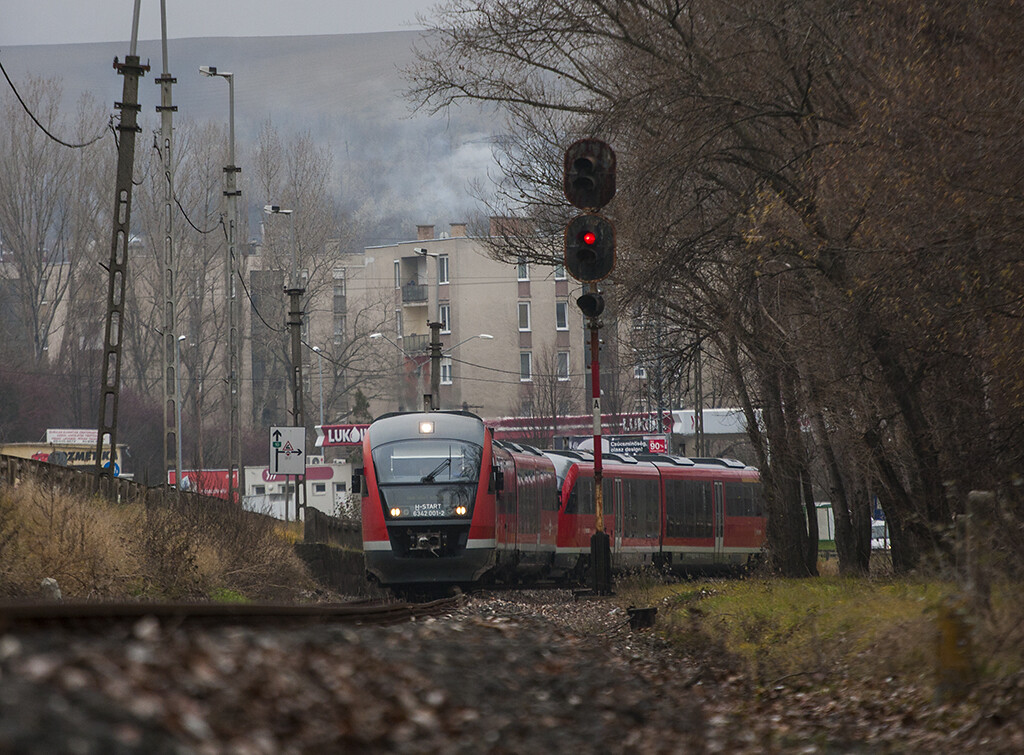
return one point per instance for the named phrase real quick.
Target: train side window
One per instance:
(581, 501)
(688, 508)
(742, 499)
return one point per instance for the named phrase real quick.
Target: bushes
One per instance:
(188, 549)
(47, 533)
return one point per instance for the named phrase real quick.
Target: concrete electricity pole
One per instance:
(117, 269)
(231, 193)
(294, 290)
(172, 396)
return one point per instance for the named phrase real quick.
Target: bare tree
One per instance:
(780, 160)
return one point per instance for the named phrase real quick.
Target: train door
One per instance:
(507, 505)
(718, 501)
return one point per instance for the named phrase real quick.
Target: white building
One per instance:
(327, 489)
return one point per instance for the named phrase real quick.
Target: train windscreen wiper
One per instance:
(430, 477)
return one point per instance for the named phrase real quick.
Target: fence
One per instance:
(82, 481)
(321, 528)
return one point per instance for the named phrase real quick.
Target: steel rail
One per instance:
(85, 615)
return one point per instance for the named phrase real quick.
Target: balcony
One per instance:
(415, 344)
(414, 294)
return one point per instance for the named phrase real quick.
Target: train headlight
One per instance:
(460, 510)
(426, 427)
(396, 512)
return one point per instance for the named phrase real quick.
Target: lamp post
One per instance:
(320, 363)
(177, 409)
(295, 292)
(485, 336)
(232, 193)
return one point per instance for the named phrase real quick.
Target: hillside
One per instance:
(346, 90)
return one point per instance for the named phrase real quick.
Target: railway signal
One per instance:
(589, 176)
(589, 247)
(591, 304)
(589, 184)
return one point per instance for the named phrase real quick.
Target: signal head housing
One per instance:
(589, 176)
(589, 247)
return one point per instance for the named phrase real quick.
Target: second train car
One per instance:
(444, 503)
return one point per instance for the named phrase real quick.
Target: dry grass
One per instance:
(96, 550)
(828, 628)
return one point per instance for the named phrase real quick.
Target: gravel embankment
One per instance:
(505, 673)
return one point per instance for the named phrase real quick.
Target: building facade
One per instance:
(512, 338)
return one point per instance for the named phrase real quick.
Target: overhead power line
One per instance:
(42, 127)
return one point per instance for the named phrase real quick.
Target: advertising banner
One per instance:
(628, 445)
(211, 482)
(339, 435)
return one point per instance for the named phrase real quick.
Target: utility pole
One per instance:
(118, 267)
(231, 194)
(295, 292)
(434, 396)
(699, 442)
(171, 364)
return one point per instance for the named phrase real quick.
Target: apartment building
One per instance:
(512, 336)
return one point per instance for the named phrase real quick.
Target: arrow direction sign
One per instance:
(286, 450)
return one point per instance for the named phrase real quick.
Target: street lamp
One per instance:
(375, 336)
(295, 292)
(485, 336)
(320, 360)
(177, 407)
(232, 193)
(273, 209)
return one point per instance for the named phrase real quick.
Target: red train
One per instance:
(444, 503)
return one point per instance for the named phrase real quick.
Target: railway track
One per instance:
(27, 616)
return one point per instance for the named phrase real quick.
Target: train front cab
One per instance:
(428, 502)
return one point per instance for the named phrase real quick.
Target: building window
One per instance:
(398, 274)
(524, 316)
(398, 322)
(446, 370)
(319, 488)
(640, 372)
(260, 490)
(559, 272)
(442, 268)
(525, 366)
(444, 316)
(339, 487)
(523, 270)
(563, 365)
(339, 329)
(561, 315)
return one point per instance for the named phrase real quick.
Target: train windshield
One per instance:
(434, 461)
(427, 478)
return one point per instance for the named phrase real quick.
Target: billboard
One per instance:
(211, 482)
(628, 445)
(339, 435)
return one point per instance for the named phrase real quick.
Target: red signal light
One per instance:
(589, 238)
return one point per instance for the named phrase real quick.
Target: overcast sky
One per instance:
(40, 22)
